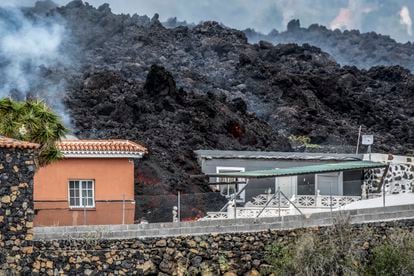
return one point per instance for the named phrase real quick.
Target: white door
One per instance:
(287, 185)
(329, 183)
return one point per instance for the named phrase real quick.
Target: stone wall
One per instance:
(235, 253)
(209, 254)
(17, 168)
(399, 179)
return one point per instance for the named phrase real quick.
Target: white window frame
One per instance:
(232, 169)
(340, 184)
(293, 184)
(81, 206)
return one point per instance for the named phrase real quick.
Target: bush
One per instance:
(335, 252)
(342, 250)
(302, 141)
(33, 121)
(280, 258)
(395, 256)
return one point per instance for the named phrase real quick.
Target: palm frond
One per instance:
(33, 121)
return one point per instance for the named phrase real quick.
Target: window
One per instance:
(306, 184)
(230, 189)
(329, 183)
(81, 193)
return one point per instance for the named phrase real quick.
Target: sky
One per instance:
(390, 17)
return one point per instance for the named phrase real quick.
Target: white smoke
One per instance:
(29, 50)
(405, 19)
(25, 50)
(351, 16)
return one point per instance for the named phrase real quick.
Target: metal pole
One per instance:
(293, 204)
(235, 208)
(383, 195)
(179, 206)
(278, 195)
(267, 203)
(234, 196)
(359, 138)
(123, 209)
(330, 195)
(369, 152)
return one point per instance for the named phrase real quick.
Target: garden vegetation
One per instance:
(342, 251)
(33, 121)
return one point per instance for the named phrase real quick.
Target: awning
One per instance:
(322, 168)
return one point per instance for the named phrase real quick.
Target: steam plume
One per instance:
(351, 16)
(405, 19)
(30, 49)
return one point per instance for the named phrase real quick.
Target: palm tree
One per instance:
(33, 121)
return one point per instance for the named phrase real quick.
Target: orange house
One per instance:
(92, 184)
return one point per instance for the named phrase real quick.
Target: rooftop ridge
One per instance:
(101, 148)
(6, 142)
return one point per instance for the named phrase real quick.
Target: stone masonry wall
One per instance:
(16, 206)
(399, 179)
(214, 254)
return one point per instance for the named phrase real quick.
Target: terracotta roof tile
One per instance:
(122, 146)
(6, 142)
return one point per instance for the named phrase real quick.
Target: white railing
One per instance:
(257, 206)
(261, 199)
(303, 201)
(323, 201)
(249, 212)
(215, 215)
(253, 212)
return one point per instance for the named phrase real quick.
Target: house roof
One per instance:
(101, 149)
(323, 168)
(6, 142)
(231, 154)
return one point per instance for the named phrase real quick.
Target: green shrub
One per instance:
(335, 252)
(33, 121)
(340, 250)
(301, 140)
(280, 258)
(395, 256)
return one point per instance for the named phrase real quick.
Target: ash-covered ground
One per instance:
(206, 87)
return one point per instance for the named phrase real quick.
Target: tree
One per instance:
(33, 121)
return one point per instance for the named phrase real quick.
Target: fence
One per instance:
(183, 207)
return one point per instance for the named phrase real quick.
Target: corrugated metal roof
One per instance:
(323, 168)
(233, 154)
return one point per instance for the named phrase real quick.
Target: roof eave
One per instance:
(80, 154)
(273, 155)
(273, 173)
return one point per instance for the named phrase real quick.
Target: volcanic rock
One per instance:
(182, 89)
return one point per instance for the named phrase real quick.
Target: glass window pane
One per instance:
(81, 193)
(306, 184)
